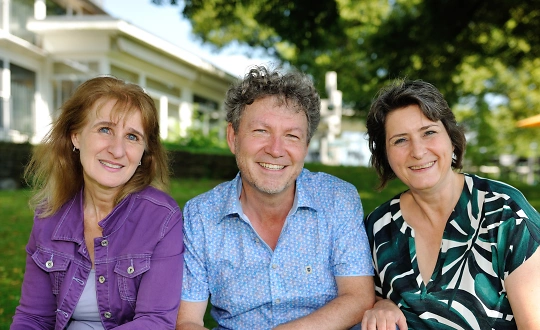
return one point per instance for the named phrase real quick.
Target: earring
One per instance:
(74, 148)
(139, 163)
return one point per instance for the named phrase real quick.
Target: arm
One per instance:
(191, 315)
(37, 305)
(523, 287)
(356, 294)
(384, 315)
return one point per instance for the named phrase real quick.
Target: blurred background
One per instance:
(483, 55)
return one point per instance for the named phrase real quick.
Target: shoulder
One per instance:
(384, 211)
(213, 204)
(156, 197)
(322, 183)
(497, 193)
(502, 203)
(216, 195)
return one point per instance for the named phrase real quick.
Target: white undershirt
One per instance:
(86, 313)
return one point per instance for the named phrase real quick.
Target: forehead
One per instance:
(271, 106)
(116, 112)
(407, 116)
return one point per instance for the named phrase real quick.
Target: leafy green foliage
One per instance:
(474, 51)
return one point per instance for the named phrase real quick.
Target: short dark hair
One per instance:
(400, 94)
(260, 82)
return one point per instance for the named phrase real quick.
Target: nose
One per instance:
(275, 147)
(418, 150)
(117, 147)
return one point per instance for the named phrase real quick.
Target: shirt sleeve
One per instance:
(195, 281)
(519, 232)
(351, 253)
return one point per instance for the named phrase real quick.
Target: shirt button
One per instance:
(274, 266)
(101, 279)
(104, 242)
(278, 301)
(256, 240)
(107, 315)
(130, 270)
(49, 264)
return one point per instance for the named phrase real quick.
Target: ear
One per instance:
(231, 138)
(75, 140)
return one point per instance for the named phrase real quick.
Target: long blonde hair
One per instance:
(55, 172)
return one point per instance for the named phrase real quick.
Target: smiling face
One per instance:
(419, 150)
(270, 146)
(110, 148)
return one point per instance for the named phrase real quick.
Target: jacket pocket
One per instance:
(54, 264)
(129, 271)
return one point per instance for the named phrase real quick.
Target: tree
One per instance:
(474, 51)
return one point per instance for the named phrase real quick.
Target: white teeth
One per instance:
(110, 165)
(271, 166)
(422, 166)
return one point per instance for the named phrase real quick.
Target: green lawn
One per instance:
(16, 221)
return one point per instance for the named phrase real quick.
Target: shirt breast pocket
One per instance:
(129, 272)
(54, 264)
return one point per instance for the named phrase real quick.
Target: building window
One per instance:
(21, 11)
(23, 89)
(63, 89)
(2, 98)
(158, 86)
(205, 115)
(124, 74)
(54, 9)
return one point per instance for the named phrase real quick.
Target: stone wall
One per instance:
(13, 158)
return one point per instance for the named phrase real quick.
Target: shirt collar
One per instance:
(232, 205)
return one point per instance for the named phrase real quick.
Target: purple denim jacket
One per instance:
(138, 264)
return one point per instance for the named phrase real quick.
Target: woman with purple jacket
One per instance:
(106, 246)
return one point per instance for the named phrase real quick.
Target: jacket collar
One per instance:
(70, 218)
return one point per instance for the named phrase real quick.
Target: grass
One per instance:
(17, 222)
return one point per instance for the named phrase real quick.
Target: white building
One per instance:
(48, 47)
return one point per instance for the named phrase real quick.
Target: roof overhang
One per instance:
(108, 24)
(10, 42)
(533, 121)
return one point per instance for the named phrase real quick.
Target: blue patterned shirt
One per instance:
(252, 287)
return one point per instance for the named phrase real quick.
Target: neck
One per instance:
(437, 205)
(267, 212)
(97, 204)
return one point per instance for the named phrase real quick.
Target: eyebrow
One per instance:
(423, 128)
(112, 124)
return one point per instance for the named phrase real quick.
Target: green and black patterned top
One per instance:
(491, 231)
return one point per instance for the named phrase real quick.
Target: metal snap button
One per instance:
(130, 270)
(49, 264)
(104, 242)
(107, 315)
(101, 279)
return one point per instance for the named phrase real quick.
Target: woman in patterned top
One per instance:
(473, 260)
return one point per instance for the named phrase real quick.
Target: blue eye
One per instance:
(105, 130)
(132, 137)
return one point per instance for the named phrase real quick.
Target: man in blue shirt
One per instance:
(278, 247)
